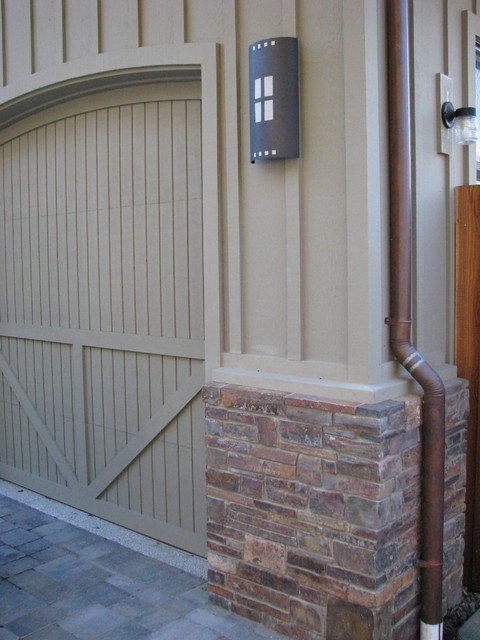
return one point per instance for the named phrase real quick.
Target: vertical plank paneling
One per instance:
(232, 137)
(2, 45)
(67, 406)
(57, 396)
(9, 232)
(171, 447)
(96, 376)
(3, 430)
(104, 276)
(9, 408)
(62, 235)
(144, 414)
(40, 403)
(31, 437)
(79, 409)
(52, 228)
(34, 228)
(81, 220)
(108, 409)
(17, 232)
(47, 17)
(166, 219)
(119, 28)
(198, 461)
(114, 194)
(3, 245)
(21, 420)
(17, 28)
(92, 221)
(43, 226)
(127, 219)
(139, 215)
(161, 22)
(49, 405)
(195, 221)
(85, 41)
(120, 396)
(71, 225)
(102, 218)
(153, 219)
(26, 231)
(158, 446)
(180, 241)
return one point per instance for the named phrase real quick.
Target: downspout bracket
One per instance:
(394, 321)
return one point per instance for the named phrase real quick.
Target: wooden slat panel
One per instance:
(166, 219)
(467, 353)
(103, 315)
(139, 222)
(180, 212)
(17, 232)
(104, 275)
(25, 231)
(44, 432)
(71, 224)
(9, 233)
(81, 42)
(81, 211)
(61, 215)
(152, 187)
(195, 222)
(47, 17)
(128, 279)
(53, 294)
(92, 221)
(119, 28)
(43, 226)
(17, 28)
(3, 245)
(34, 228)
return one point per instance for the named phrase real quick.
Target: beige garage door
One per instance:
(101, 309)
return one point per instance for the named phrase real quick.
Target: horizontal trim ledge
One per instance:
(337, 390)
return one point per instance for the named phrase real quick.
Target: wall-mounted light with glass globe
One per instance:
(463, 121)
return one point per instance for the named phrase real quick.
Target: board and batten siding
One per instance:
(102, 308)
(304, 255)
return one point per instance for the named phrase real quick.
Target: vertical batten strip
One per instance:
(78, 410)
(235, 328)
(293, 226)
(178, 8)
(60, 32)
(3, 247)
(97, 13)
(30, 46)
(2, 43)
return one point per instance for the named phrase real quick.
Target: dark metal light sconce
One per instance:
(464, 121)
(274, 110)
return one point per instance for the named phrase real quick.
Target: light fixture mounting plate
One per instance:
(448, 114)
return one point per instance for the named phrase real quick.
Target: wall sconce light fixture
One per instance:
(464, 121)
(274, 110)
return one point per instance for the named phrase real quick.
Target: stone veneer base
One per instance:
(314, 507)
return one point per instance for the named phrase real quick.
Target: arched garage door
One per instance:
(101, 308)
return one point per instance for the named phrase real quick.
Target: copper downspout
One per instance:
(433, 437)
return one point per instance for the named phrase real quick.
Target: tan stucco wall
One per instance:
(304, 254)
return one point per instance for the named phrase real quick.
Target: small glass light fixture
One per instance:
(464, 121)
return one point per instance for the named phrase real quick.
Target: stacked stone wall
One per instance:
(314, 508)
